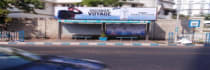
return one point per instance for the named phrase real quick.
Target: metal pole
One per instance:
(59, 30)
(193, 35)
(209, 7)
(45, 29)
(178, 13)
(147, 31)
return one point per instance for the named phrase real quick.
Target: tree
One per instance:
(24, 5)
(94, 3)
(111, 2)
(91, 3)
(207, 17)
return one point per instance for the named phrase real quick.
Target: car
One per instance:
(17, 59)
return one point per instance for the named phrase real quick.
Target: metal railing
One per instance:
(12, 36)
(198, 37)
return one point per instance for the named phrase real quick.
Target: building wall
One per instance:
(48, 28)
(35, 28)
(162, 27)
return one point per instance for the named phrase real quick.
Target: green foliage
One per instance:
(25, 5)
(103, 35)
(181, 16)
(207, 17)
(28, 5)
(94, 3)
(111, 2)
(3, 12)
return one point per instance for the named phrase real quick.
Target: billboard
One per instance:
(125, 29)
(105, 13)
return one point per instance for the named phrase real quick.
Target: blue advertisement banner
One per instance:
(126, 29)
(105, 13)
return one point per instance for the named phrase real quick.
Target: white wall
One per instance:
(148, 3)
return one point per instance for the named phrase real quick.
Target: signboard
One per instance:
(103, 21)
(194, 23)
(125, 29)
(105, 13)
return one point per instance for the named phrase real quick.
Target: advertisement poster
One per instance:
(105, 13)
(125, 29)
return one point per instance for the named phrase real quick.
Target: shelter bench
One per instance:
(131, 38)
(81, 37)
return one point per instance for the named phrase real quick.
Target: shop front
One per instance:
(110, 22)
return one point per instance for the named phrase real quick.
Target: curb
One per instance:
(96, 44)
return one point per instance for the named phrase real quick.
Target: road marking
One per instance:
(101, 44)
(92, 44)
(65, 44)
(84, 44)
(119, 44)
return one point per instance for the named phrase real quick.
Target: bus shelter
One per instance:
(105, 23)
(109, 20)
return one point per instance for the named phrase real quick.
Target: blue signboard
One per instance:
(194, 23)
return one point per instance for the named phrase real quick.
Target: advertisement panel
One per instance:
(125, 29)
(105, 13)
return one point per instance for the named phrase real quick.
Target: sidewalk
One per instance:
(137, 43)
(89, 41)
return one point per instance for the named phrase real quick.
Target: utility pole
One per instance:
(209, 7)
(177, 19)
(202, 7)
(190, 7)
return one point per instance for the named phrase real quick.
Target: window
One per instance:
(63, 5)
(207, 25)
(134, 5)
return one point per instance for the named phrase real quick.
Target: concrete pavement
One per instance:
(134, 43)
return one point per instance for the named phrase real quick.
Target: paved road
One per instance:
(134, 58)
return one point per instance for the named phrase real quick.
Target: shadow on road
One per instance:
(202, 60)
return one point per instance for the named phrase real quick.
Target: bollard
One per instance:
(207, 41)
(170, 37)
(21, 36)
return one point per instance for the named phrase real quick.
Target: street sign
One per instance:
(194, 23)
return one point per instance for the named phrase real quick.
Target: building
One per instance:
(193, 7)
(50, 27)
(165, 7)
